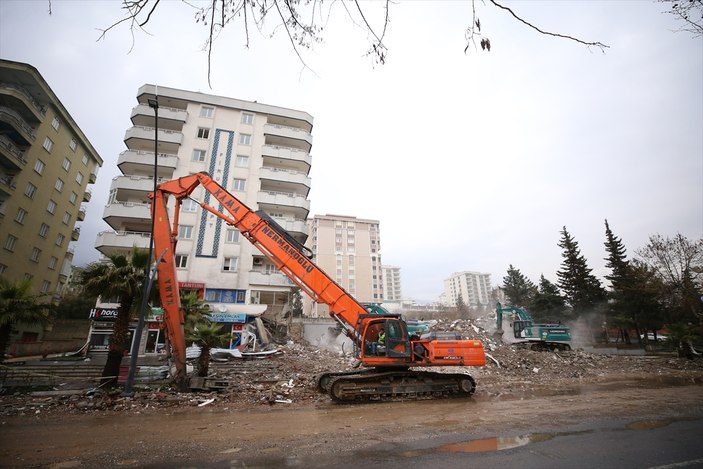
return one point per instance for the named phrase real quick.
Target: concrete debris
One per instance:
(289, 377)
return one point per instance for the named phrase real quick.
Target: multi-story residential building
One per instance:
(474, 288)
(348, 249)
(392, 292)
(260, 153)
(46, 165)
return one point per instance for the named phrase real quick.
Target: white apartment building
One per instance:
(348, 249)
(391, 284)
(258, 152)
(474, 288)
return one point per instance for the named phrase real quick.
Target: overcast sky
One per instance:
(469, 161)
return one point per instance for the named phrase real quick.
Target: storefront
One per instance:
(103, 322)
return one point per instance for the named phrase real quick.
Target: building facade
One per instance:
(474, 288)
(259, 153)
(46, 165)
(348, 249)
(392, 290)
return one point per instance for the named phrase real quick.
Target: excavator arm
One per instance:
(263, 233)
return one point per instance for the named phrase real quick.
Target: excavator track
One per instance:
(396, 385)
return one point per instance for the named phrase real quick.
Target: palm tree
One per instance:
(207, 337)
(18, 305)
(120, 277)
(195, 311)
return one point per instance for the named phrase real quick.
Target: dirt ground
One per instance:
(272, 409)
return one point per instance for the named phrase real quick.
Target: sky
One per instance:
(471, 161)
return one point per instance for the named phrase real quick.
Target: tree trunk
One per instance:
(5, 332)
(118, 345)
(204, 361)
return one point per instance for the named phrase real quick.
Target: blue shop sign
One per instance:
(240, 318)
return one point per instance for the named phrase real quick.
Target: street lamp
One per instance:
(150, 272)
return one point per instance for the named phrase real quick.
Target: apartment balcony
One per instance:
(269, 279)
(17, 93)
(294, 226)
(92, 177)
(142, 138)
(133, 187)
(169, 118)
(75, 234)
(288, 136)
(142, 162)
(14, 125)
(8, 184)
(271, 201)
(87, 195)
(296, 158)
(10, 154)
(284, 180)
(119, 214)
(109, 242)
(80, 216)
(70, 252)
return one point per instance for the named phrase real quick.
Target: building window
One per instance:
(73, 197)
(10, 243)
(198, 155)
(21, 213)
(59, 184)
(35, 255)
(181, 261)
(52, 262)
(185, 232)
(51, 208)
(66, 218)
(59, 239)
(56, 123)
(66, 165)
(232, 236)
(48, 144)
(30, 190)
(189, 205)
(244, 139)
(203, 132)
(3, 268)
(79, 178)
(247, 118)
(238, 184)
(230, 264)
(85, 159)
(207, 112)
(242, 161)
(72, 144)
(216, 295)
(39, 166)
(43, 230)
(45, 286)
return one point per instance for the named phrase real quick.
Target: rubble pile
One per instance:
(288, 379)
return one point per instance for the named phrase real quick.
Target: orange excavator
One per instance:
(389, 356)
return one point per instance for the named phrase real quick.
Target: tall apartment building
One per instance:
(46, 165)
(392, 292)
(260, 153)
(348, 249)
(474, 288)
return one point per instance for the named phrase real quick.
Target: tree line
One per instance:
(660, 287)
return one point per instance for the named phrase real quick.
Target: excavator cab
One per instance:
(396, 342)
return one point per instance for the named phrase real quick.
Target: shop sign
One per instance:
(191, 285)
(228, 317)
(102, 314)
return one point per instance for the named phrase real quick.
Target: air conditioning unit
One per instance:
(258, 261)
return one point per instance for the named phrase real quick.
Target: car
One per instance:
(650, 337)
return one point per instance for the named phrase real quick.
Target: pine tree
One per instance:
(582, 290)
(548, 302)
(518, 289)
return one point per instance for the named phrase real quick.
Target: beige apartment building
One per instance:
(258, 152)
(392, 291)
(46, 165)
(348, 249)
(474, 288)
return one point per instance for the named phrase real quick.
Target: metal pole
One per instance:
(149, 274)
